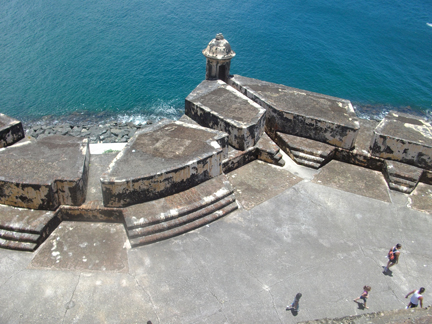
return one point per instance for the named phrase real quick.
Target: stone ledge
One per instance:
(401, 316)
(302, 113)
(45, 174)
(11, 131)
(403, 138)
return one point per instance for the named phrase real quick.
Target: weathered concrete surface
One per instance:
(244, 268)
(404, 138)
(216, 105)
(11, 131)
(302, 113)
(354, 179)
(162, 160)
(84, 246)
(421, 198)
(256, 182)
(45, 174)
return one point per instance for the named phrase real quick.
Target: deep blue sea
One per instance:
(137, 60)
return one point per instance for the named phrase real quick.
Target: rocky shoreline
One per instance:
(112, 132)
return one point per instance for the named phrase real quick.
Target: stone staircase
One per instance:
(23, 229)
(400, 176)
(180, 213)
(303, 151)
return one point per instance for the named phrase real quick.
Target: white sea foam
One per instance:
(429, 24)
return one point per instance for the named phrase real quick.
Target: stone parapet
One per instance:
(45, 174)
(216, 105)
(360, 155)
(302, 113)
(403, 138)
(11, 131)
(161, 160)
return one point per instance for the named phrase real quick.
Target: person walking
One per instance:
(393, 257)
(364, 296)
(295, 304)
(416, 298)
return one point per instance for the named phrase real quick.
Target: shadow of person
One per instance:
(388, 272)
(360, 305)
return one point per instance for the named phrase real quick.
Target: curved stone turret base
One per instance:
(162, 160)
(180, 213)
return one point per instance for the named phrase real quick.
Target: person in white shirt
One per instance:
(415, 298)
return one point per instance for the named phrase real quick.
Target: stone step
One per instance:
(309, 164)
(305, 151)
(25, 229)
(18, 236)
(400, 176)
(25, 220)
(180, 221)
(401, 188)
(16, 245)
(304, 156)
(403, 182)
(185, 228)
(177, 205)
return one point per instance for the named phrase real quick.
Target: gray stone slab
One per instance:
(84, 246)
(216, 105)
(110, 298)
(303, 113)
(258, 181)
(162, 160)
(99, 164)
(12, 262)
(421, 198)
(36, 296)
(354, 179)
(45, 174)
(404, 138)
(11, 130)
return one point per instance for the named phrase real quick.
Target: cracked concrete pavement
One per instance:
(313, 238)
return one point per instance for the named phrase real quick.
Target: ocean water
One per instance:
(137, 60)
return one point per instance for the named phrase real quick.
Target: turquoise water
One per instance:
(138, 60)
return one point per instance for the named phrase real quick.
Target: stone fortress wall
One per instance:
(229, 121)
